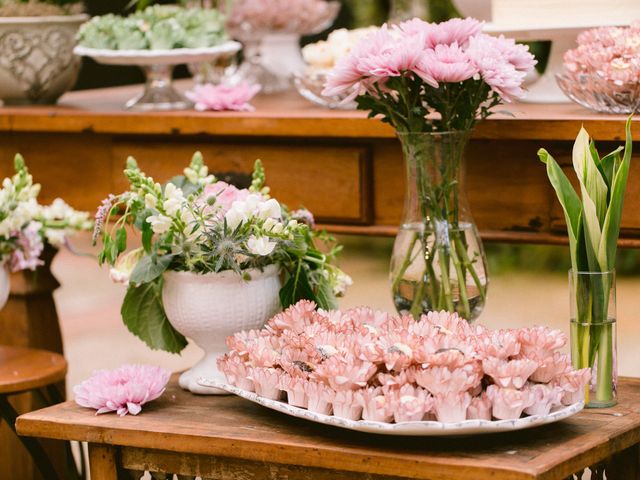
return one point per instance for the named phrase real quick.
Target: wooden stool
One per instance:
(27, 369)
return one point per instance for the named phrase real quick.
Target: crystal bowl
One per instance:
(310, 84)
(596, 93)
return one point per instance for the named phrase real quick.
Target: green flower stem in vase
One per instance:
(438, 261)
(593, 333)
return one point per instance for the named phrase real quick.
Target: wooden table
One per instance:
(230, 438)
(344, 167)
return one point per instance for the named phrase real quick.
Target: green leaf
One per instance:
(608, 163)
(325, 297)
(147, 236)
(611, 227)
(149, 268)
(296, 288)
(568, 199)
(121, 239)
(143, 314)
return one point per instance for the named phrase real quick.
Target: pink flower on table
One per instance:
(540, 341)
(451, 407)
(223, 97)
(509, 403)
(479, 408)
(509, 373)
(346, 406)
(236, 371)
(447, 63)
(546, 397)
(375, 406)
(123, 390)
(573, 384)
(550, 366)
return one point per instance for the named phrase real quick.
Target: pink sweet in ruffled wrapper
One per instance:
(345, 373)
(296, 390)
(538, 342)
(223, 97)
(545, 398)
(375, 406)
(509, 373)
(509, 403)
(499, 344)
(479, 408)
(320, 397)
(266, 382)
(346, 406)
(451, 407)
(550, 367)
(441, 380)
(408, 403)
(236, 371)
(123, 390)
(573, 385)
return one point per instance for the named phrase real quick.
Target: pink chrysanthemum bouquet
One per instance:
(432, 83)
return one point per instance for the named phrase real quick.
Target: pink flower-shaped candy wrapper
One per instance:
(546, 397)
(573, 385)
(320, 397)
(509, 373)
(346, 406)
(452, 407)
(441, 380)
(550, 367)
(223, 97)
(266, 382)
(479, 408)
(509, 403)
(540, 341)
(236, 371)
(123, 390)
(375, 406)
(296, 390)
(409, 403)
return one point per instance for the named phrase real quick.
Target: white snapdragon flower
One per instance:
(150, 201)
(159, 223)
(343, 281)
(174, 199)
(273, 226)
(242, 210)
(269, 209)
(55, 236)
(260, 245)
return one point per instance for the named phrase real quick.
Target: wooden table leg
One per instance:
(102, 462)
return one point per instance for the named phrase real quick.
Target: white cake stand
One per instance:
(158, 66)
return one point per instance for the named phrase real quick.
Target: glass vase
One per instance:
(438, 262)
(593, 333)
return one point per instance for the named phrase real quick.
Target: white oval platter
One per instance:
(173, 56)
(423, 428)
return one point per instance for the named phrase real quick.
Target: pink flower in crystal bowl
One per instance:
(123, 390)
(223, 97)
(362, 364)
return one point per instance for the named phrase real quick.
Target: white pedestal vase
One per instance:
(5, 284)
(208, 308)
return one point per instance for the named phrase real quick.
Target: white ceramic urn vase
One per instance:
(207, 308)
(37, 63)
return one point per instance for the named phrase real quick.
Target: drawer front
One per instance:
(332, 182)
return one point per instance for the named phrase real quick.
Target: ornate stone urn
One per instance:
(37, 64)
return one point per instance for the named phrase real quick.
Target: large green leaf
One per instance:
(611, 227)
(325, 296)
(143, 314)
(149, 268)
(607, 165)
(297, 288)
(569, 201)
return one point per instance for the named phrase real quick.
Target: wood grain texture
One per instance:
(23, 369)
(231, 427)
(102, 462)
(286, 115)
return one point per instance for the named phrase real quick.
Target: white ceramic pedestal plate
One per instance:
(158, 66)
(208, 308)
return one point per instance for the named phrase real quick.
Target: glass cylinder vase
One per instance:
(438, 262)
(593, 333)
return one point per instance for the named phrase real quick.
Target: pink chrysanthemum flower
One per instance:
(509, 373)
(508, 403)
(123, 390)
(223, 97)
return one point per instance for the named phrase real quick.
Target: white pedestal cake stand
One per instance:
(158, 66)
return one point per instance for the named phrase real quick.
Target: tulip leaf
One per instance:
(143, 314)
(611, 226)
(608, 164)
(569, 200)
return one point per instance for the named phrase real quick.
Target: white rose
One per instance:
(260, 245)
(269, 209)
(159, 223)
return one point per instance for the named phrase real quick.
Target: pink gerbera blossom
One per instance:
(123, 390)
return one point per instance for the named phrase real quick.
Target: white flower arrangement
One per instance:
(26, 226)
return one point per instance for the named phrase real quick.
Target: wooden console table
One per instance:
(228, 438)
(344, 167)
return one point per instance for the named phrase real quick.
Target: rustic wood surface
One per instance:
(23, 369)
(344, 167)
(184, 426)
